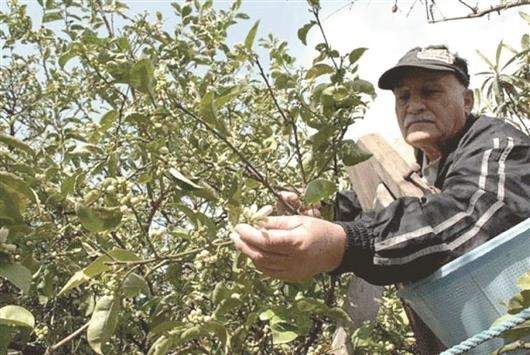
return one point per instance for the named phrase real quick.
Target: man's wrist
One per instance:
(359, 245)
(340, 241)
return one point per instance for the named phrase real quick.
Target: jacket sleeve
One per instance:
(486, 191)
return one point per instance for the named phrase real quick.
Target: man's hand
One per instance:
(293, 248)
(293, 200)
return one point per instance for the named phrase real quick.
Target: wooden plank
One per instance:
(389, 166)
(383, 197)
(364, 181)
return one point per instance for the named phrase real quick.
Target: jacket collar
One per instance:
(449, 145)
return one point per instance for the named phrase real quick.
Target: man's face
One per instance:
(431, 106)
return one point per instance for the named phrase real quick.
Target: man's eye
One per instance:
(403, 97)
(431, 91)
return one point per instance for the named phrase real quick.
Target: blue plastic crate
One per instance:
(465, 296)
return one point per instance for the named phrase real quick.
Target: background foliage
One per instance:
(127, 152)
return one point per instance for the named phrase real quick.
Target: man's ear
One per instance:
(469, 101)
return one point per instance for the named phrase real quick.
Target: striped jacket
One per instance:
(484, 178)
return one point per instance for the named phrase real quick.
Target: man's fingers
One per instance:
(271, 261)
(281, 222)
(262, 241)
(245, 248)
(312, 212)
(262, 260)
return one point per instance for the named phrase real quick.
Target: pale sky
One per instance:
(366, 23)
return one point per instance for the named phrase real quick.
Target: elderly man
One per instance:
(481, 166)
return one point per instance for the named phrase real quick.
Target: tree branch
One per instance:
(248, 164)
(498, 9)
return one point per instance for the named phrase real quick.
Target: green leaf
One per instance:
(160, 346)
(490, 64)
(338, 314)
(103, 322)
(249, 40)
(219, 293)
(186, 10)
(356, 54)
(107, 120)
(17, 274)
(208, 110)
(525, 16)
(302, 31)
(311, 305)
(498, 55)
(99, 219)
(134, 284)
(14, 143)
(166, 326)
(524, 281)
(51, 16)
(141, 76)
(519, 302)
(7, 333)
(228, 96)
(319, 189)
(16, 184)
(352, 154)
(11, 206)
(97, 267)
(318, 70)
(283, 337)
(68, 184)
(363, 86)
(321, 139)
(183, 181)
(267, 315)
(206, 329)
(120, 72)
(123, 43)
(65, 57)
(16, 316)
(242, 16)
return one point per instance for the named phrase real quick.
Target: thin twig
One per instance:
(410, 8)
(54, 347)
(317, 18)
(109, 29)
(145, 230)
(474, 9)
(350, 3)
(287, 120)
(167, 258)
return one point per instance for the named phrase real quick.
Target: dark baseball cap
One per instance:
(433, 57)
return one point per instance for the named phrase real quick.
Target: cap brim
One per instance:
(389, 79)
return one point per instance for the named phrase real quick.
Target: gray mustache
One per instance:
(414, 119)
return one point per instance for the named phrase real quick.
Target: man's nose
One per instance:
(416, 104)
